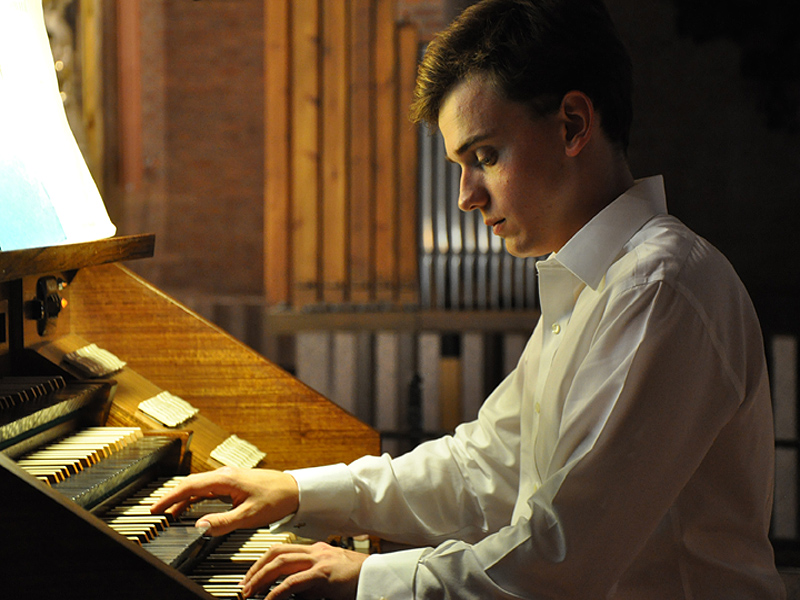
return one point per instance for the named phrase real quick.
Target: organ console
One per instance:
(67, 529)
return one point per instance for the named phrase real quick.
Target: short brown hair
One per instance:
(534, 51)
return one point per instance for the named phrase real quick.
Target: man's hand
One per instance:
(259, 497)
(315, 571)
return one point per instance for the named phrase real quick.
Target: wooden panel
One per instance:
(335, 180)
(166, 347)
(337, 176)
(277, 190)
(305, 150)
(15, 264)
(233, 386)
(386, 113)
(407, 215)
(361, 134)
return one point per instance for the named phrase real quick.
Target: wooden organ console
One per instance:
(55, 300)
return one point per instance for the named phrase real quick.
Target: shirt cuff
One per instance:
(327, 497)
(389, 576)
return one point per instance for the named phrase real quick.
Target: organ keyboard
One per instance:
(73, 521)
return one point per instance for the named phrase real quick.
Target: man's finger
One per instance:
(283, 560)
(193, 488)
(292, 585)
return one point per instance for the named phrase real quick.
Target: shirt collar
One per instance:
(590, 252)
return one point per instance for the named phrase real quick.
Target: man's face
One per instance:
(513, 167)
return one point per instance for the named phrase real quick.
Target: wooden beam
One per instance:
(305, 153)
(408, 196)
(277, 148)
(361, 135)
(385, 197)
(522, 321)
(335, 168)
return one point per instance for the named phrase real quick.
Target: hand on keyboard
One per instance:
(315, 571)
(259, 497)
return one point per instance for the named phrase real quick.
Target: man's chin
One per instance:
(518, 251)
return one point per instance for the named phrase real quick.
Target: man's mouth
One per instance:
(496, 226)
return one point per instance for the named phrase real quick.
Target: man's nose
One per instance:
(471, 192)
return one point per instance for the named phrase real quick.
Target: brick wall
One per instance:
(214, 143)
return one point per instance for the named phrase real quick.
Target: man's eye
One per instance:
(486, 157)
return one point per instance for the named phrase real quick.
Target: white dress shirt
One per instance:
(628, 456)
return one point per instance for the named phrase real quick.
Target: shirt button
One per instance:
(537, 407)
(556, 328)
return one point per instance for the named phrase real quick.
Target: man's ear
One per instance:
(577, 112)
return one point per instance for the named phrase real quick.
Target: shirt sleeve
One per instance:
(474, 475)
(644, 405)
(389, 575)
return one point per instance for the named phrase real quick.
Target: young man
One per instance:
(630, 454)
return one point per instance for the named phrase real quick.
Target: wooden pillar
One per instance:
(305, 150)
(277, 150)
(335, 151)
